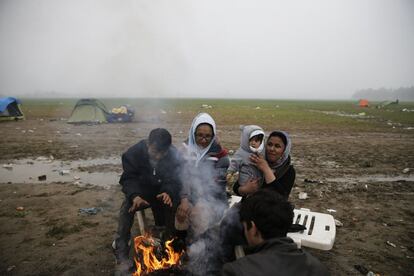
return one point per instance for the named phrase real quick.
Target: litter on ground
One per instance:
(303, 195)
(90, 211)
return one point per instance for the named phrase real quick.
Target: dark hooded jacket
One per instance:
(140, 178)
(284, 180)
(277, 256)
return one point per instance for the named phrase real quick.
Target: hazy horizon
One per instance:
(307, 50)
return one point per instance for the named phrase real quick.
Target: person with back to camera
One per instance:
(241, 169)
(266, 217)
(150, 178)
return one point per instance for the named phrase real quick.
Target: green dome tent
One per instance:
(88, 111)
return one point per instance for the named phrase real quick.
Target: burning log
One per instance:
(169, 272)
(153, 256)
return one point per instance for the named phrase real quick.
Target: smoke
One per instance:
(209, 204)
(204, 254)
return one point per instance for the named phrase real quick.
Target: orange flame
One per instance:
(145, 246)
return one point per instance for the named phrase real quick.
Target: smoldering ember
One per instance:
(356, 169)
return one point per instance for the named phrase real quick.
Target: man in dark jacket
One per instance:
(266, 218)
(150, 179)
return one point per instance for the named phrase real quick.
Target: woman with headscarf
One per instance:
(278, 172)
(204, 175)
(203, 196)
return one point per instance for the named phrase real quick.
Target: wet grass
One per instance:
(61, 230)
(20, 214)
(283, 114)
(14, 213)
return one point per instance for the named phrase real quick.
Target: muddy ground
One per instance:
(358, 174)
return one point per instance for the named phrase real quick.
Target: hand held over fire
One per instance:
(165, 198)
(183, 210)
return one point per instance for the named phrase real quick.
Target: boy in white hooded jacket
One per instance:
(241, 169)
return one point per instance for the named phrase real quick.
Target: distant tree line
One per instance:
(385, 94)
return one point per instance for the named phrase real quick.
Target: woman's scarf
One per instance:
(281, 166)
(193, 149)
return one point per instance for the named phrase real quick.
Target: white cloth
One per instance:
(254, 133)
(194, 150)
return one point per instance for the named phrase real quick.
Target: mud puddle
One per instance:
(46, 170)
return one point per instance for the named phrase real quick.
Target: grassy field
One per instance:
(284, 114)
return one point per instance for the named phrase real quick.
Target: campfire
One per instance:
(151, 255)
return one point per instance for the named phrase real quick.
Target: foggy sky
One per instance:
(319, 49)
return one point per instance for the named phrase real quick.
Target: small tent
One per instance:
(363, 103)
(88, 111)
(10, 109)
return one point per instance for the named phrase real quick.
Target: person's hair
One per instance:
(258, 137)
(160, 138)
(204, 124)
(278, 134)
(270, 211)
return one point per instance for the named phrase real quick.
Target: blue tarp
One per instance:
(4, 102)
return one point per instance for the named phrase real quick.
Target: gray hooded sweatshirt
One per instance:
(240, 161)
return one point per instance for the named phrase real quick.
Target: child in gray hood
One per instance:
(241, 169)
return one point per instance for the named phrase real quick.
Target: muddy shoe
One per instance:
(121, 256)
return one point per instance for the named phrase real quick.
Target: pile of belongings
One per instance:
(124, 113)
